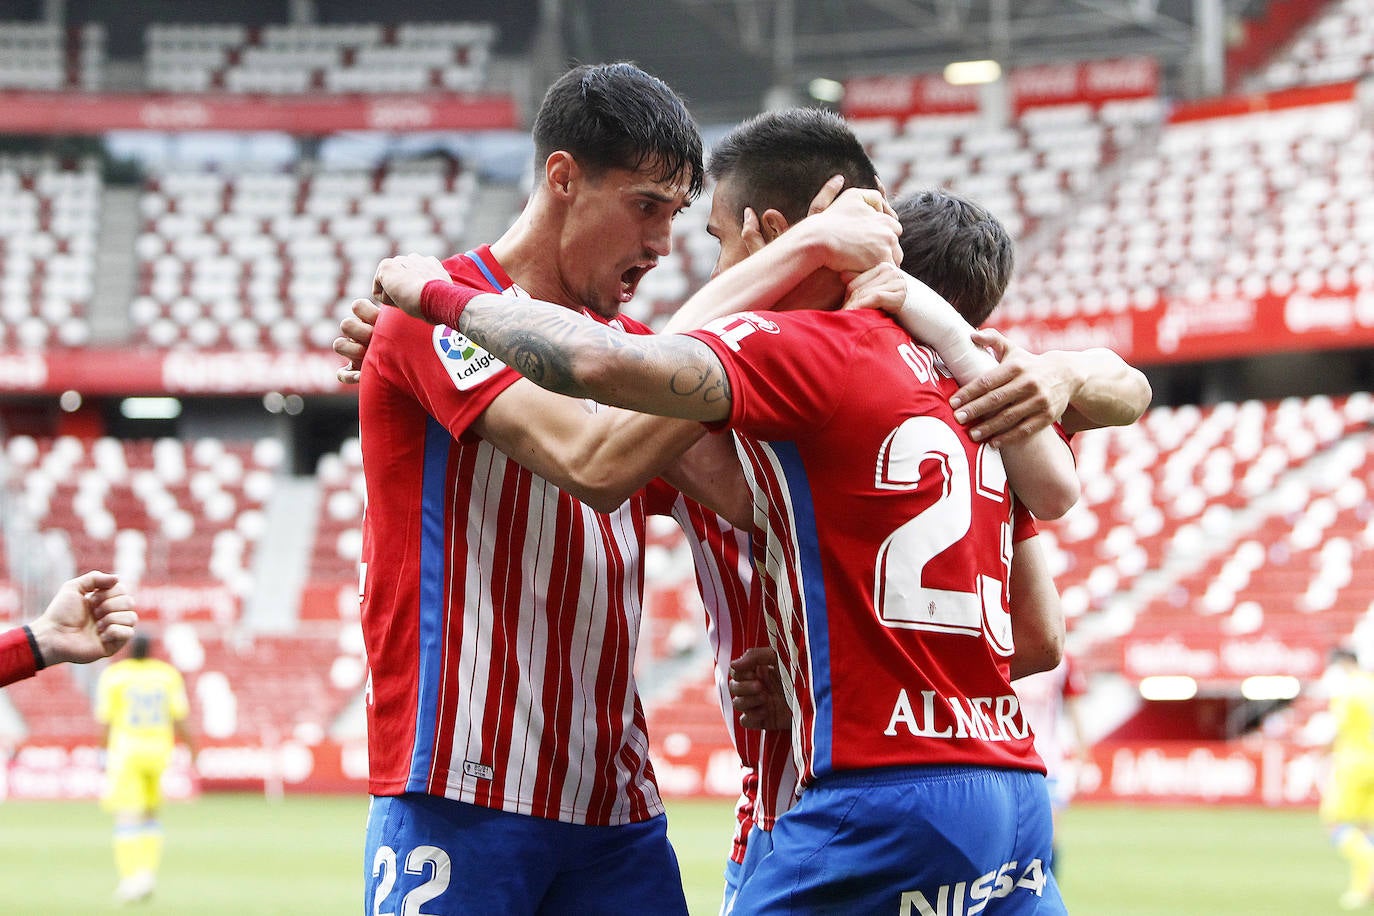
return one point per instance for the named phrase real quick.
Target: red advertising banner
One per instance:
(1052, 84)
(95, 113)
(1178, 330)
(112, 372)
(1212, 658)
(1277, 100)
(1184, 772)
(75, 770)
(1267, 772)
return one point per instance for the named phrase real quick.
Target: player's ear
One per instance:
(560, 170)
(772, 224)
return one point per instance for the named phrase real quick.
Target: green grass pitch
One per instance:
(235, 854)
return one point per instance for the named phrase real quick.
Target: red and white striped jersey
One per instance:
(731, 596)
(500, 614)
(884, 536)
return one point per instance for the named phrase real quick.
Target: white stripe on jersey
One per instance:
(632, 588)
(777, 580)
(474, 673)
(720, 623)
(723, 580)
(577, 791)
(474, 654)
(522, 767)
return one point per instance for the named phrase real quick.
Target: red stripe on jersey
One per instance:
(505, 587)
(461, 464)
(732, 599)
(533, 691)
(782, 601)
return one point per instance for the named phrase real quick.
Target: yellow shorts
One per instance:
(133, 781)
(1349, 795)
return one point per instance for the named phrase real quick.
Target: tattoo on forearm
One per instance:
(550, 346)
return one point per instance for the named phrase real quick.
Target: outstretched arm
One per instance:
(90, 617)
(600, 456)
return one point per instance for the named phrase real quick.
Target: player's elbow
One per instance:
(1054, 498)
(1044, 652)
(603, 496)
(1141, 398)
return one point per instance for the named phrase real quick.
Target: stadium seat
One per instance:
(342, 58)
(253, 260)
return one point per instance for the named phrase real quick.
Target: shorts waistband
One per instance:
(882, 776)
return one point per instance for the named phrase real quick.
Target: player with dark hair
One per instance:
(142, 703)
(90, 617)
(885, 535)
(500, 606)
(958, 249)
(603, 117)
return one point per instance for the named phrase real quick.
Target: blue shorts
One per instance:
(442, 857)
(916, 840)
(758, 844)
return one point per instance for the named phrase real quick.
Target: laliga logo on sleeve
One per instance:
(466, 363)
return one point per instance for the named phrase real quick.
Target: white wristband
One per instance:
(929, 318)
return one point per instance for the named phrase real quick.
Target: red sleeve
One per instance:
(1022, 523)
(1075, 685)
(453, 379)
(16, 656)
(785, 370)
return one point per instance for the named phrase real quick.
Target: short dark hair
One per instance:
(958, 249)
(778, 160)
(141, 645)
(617, 116)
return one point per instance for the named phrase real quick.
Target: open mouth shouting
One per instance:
(629, 280)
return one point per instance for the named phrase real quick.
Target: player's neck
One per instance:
(523, 251)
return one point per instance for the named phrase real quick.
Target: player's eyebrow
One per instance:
(656, 195)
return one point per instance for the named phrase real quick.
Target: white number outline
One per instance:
(384, 865)
(902, 602)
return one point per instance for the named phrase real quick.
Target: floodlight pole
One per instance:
(783, 92)
(994, 98)
(1209, 46)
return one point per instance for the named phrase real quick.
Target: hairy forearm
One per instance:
(757, 282)
(601, 457)
(1110, 392)
(558, 349)
(621, 451)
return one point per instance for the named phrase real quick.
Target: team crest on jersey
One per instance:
(467, 364)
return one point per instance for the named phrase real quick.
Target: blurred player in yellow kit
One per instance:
(142, 703)
(1347, 806)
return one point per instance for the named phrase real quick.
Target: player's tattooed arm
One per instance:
(562, 350)
(670, 375)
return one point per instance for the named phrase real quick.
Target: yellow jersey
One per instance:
(1352, 707)
(140, 699)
